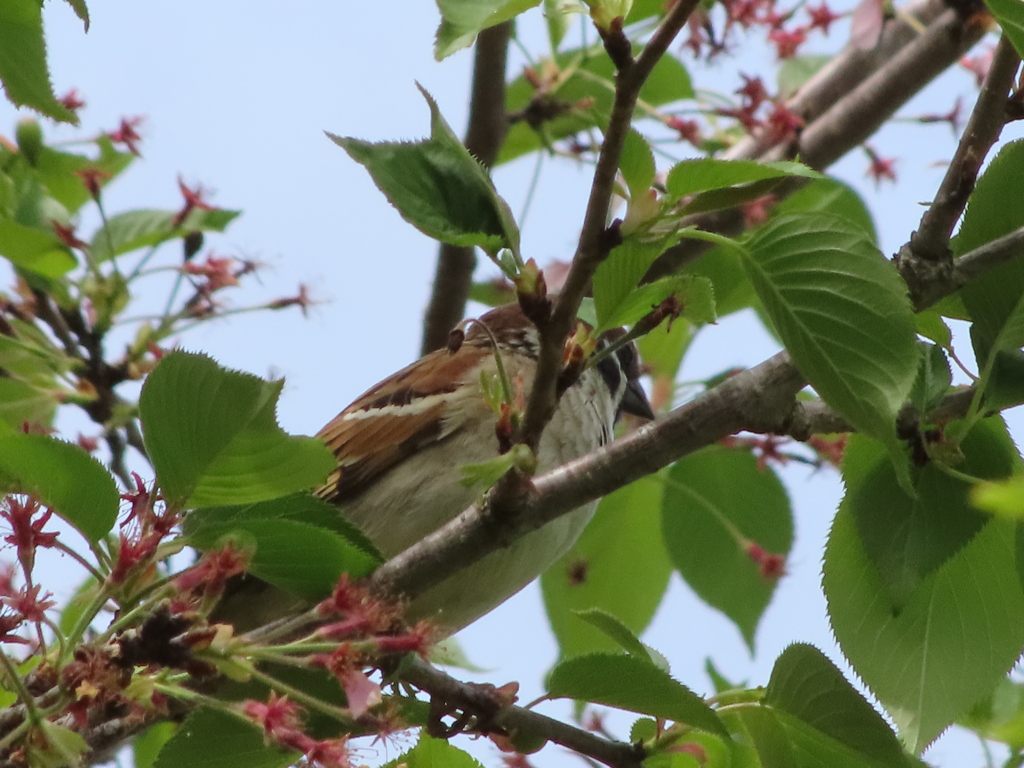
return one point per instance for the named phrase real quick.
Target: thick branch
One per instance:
(931, 241)
(849, 120)
(518, 720)
(484, 135)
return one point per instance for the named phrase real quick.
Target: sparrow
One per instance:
(401, 444)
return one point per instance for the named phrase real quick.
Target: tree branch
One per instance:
(518, 720)
(849, 120)
(485, 133)
(595, 239)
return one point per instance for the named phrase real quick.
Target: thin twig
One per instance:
(931, 240)
(519, 720)
(595, 241)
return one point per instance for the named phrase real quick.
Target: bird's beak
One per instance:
(634, 401)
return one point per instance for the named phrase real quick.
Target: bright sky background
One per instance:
(236, 96)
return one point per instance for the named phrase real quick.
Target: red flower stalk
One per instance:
(771, 566)
(880, 168)
(219, 272)
(26, 534)
(127, 135)
(193, 199)
(209, 575)
(93, 179)
(66, 234)
(71, 100)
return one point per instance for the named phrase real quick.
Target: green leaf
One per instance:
(830, 195)
(637, 163)
(617, 631)
(438, 187)
(711, 497)
(63, 477)
(434, 753)
(303, 559)
(955, 639)
(1001, 497)
(784, 741)
(299, 507)
(141, 228)
(32, 249)
(147, 745)
(993, 298)
(213, 437)
(618, 565)
(57, 171)
(586, 96)
(842, 311)
(618, 276)
(795, 71)
(23, 68)
(1010, 15)
(933, 378)
(1000, 717)
(463, 20)
(213, 739)
(81, 11)
(704, 174)
(22, 403)
(558, 15)
(627, 682)
(907, 537)
(808, 686)
(930, 324)
(724, 268)
(663, 348)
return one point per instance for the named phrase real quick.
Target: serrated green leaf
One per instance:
(142, 228)
(299, 507)
(704, 174)
(933, 378)
(32, 249)
(637, 163)
(1010, 15)
(616, 630)
(830, 195)
(808, 686)
(994, 297)
(930, 324)
(23, 68)
(999, 717)
(907, 538)
(618, 565)
(438, 187)
(463, 20)
(843, 313)
(213, 739)
(63, 477)
(627, 682)
(954, 640)
(587, 95)
(303, 559)
(213, 437)
(711, 497)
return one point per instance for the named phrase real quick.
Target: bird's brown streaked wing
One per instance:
(394, 419)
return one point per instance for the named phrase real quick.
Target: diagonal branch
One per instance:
(519, 720)
(843, 124)
(931, 240)
(596, 240)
